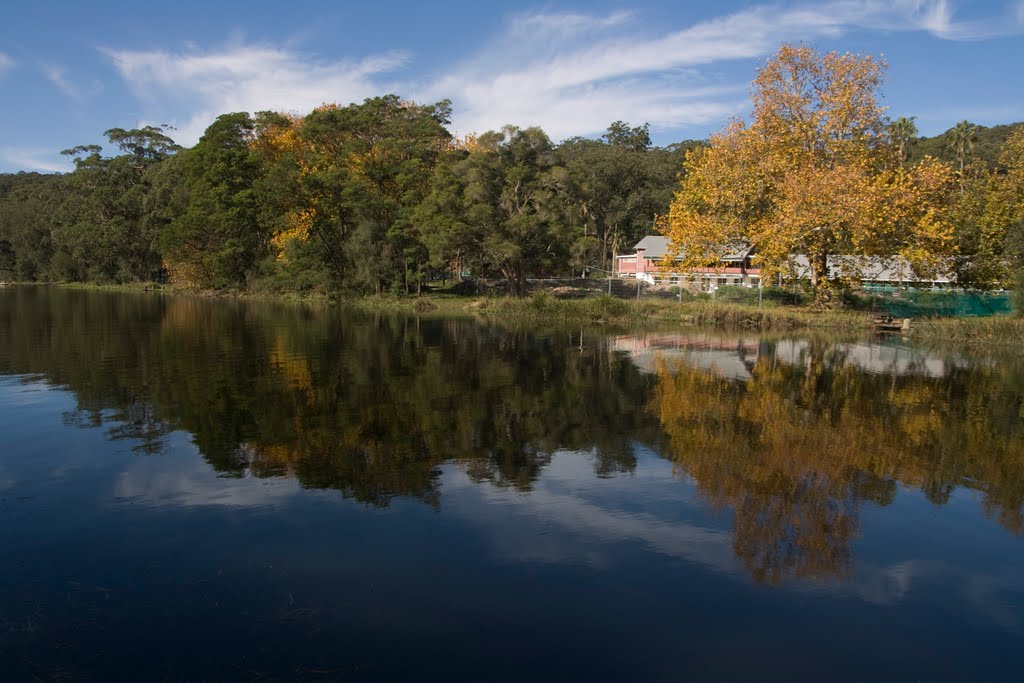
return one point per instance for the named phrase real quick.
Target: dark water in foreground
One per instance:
(197, 490)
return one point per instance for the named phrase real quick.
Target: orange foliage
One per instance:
(813, 173)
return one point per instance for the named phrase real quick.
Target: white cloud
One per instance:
(938, 17)
(204, 85)
(188, 481)
(57, 76)
(569, 73)
(6, 63)
(33, 159)
(564, 25)
(577, 87)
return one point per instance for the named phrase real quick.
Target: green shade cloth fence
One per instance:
(922, 303)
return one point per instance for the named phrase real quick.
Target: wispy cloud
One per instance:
(58, 76)
(204, 85)
(6, 64)
(939, 17)
(567, 24)
(33, 159)
(603, 74)
(571, 73)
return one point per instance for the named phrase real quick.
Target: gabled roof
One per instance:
(654, 246)
(657, 247)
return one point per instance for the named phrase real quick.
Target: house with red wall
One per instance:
(648, 263)
(649, 254)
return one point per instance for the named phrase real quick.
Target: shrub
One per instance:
(1018, 295)
(769, 295)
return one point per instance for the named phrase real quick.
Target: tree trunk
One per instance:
(819, 277)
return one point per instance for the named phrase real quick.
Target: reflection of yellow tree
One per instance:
(797, 449)
(737, 446)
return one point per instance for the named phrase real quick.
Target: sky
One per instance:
(71, 70)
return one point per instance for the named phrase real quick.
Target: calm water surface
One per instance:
(211, 490)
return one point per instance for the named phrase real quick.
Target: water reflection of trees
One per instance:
(368, 406)
(798, 449)
(373, 406)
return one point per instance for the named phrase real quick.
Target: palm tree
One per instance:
(902, 132)
(962, 137)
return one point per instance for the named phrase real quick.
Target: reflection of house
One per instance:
(734, 357)
(879, 359)
(737, 268)
(727, 357)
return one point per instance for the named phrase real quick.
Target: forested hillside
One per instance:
(369, 197)
(985, 146)
(381, 197)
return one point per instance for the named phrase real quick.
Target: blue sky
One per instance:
(69, 71)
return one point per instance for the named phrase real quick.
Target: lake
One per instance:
(197, 489)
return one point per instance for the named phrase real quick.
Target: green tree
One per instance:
(616, 187)
(903, 132)
(961, 142)
(498, 207)
(29, 204)
(215, 240)
(100, 229)
(637, 139)
(364, 170)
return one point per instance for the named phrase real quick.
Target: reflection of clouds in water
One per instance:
(183, 479)
(567, 524)
(570, 517)
(26, 390)
(7, 481)
(988, 595)
(885, 585)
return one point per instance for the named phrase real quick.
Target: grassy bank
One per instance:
(93, 287)
(1004, 332)
(997, 332)
(604, 310)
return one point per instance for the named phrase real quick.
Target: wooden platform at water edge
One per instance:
(887, 323)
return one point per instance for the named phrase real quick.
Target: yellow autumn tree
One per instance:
(277, 136)
(1003, 219)
(815, 173)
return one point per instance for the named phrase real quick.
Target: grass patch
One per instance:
(718, 314)
(542, 308)
(1004, 332)
(132, 287)
(769, 296)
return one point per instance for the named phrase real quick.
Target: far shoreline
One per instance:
(999, 333)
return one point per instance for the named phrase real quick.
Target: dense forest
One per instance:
(381, 197)
(369, 197)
